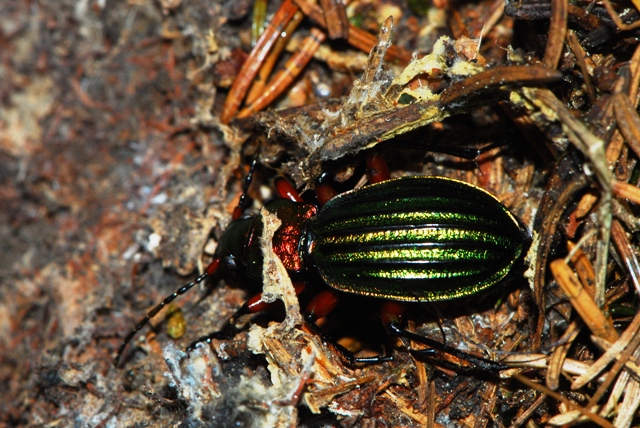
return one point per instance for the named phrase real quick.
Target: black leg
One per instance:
(346, 355)
(228, 330)
(480, 363)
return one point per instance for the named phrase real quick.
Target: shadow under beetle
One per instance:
(413, 239)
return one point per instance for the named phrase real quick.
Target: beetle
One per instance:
(408, 239)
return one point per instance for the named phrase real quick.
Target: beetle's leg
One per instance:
(324, 192)
(252, 306)
(391, 315)
(321, 306)
(285, 190)
(209, 271)
(377, 168)
(481, 363)
(377, 171)
(392, 319)
(468, 153)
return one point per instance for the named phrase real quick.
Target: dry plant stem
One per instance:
(259, 83)
(284, 78)
(627, 410)
(431, 407)
(631, 365)
(458, 26)
(446, 401)
(626, 253)
(358, 38)
(580, 54)
(562, 188)
(391, 123)
(335, 17)
(559, 356)
(616, 149)
(592, 416)
(618, 156)
(583, 267)
(593, 148)
(378, 51)
(524, 417)
(628, 121)
(406, 407)
(615, 351)
(626, 191)
(257, 20)
(613, 403)
(627, 218)
(623, 357)
(616, 18)
(582, 302)
(629, 387)
(497, 11)
(489, 400)
(634, 66)
(252, 65)
(364, 41)
(325, 396)
(557, 32)
(589, 144)
(423, 380)
(540, 361)
(499, 76)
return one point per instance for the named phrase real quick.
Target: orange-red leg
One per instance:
(285, 190)
(321, 306)
(377, 168)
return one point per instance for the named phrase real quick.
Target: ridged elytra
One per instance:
(415, 239)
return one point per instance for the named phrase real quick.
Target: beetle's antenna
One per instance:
(211, 269)
(237, 211)
(468, 153)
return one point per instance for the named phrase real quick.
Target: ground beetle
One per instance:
(415, 239)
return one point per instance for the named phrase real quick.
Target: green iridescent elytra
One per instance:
(415, 239)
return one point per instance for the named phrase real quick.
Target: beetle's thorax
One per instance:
(288, 240)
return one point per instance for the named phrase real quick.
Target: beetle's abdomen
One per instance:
(415, 239)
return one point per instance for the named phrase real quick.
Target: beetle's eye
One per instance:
(231, 263)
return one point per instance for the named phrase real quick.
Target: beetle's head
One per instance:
(234, 241)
